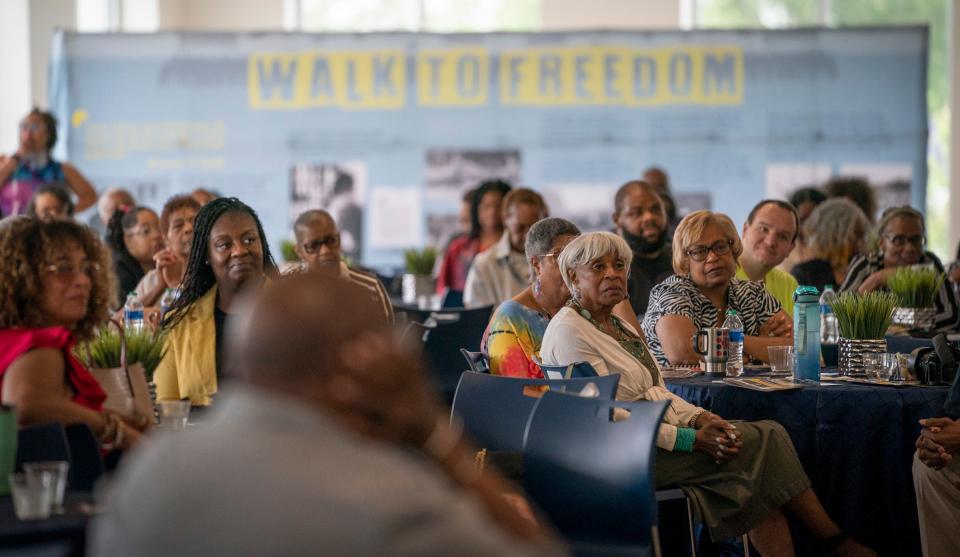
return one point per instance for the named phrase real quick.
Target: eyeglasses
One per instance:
(554, 255)
(899, 240)
(332, 241)
(68, 270)
(30, 127)
(720, 247)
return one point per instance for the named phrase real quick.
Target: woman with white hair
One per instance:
(738, 476)
(835, 231)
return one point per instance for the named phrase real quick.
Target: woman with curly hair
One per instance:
(56, 288)
(229, 255)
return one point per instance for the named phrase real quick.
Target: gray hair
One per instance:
(541, 236)
(832, 230)
(590, 247)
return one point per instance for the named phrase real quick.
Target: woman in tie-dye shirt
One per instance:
(31, 167)
(512, 339)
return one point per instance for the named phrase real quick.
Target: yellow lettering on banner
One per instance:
(453, 77)
(618, 76)
(369, 80)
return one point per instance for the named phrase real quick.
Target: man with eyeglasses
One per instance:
(640, 216)
(900, 241)
(318, 246)
(769, 235)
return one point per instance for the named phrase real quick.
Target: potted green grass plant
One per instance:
(124, 367)
(418, 275)
(916, 289)
(863, 320)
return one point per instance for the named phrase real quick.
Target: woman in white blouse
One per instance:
(738, 476)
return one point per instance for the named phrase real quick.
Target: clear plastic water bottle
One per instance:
(735, 348)
(170, 296)
(133, 314)
(806, 333)
(829, 332)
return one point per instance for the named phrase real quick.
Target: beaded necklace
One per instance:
(632, 344)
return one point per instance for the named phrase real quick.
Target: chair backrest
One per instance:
(452, 299)
(448, 331)
(477, 361)
(42, 443)
(569, 371)
(86, 460)
(594, 478)
(495, 409)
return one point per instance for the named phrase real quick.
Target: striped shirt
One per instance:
(369, 281)
(680, 296)
(863, 266)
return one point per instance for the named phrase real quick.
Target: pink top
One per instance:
(456, 263)
(17, 342)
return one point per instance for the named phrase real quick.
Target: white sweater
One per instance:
(571, 338)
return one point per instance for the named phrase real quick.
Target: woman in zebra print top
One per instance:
(705, 251)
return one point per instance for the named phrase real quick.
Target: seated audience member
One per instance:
(512, 339)
(705, 252)
(855, 189)
(229, 256)
(513, 336)
(486, 229)
(900, 239)
(176, 225)
(336, 395)
(502, 271)
(805, 200)
(57, 290)
(134, 239)
(318, 246)
(51, 202)
(660, 182)
(936, 479)
(739, 477)
(31, 167)
(768, 237)
(203, 196)
(108, 202)
(834, 233)
(640, 219)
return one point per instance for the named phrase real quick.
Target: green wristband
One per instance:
(685, 439)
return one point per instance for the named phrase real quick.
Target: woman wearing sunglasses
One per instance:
(900, 240)
(705, 252)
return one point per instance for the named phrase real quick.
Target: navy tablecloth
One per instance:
(856, 443)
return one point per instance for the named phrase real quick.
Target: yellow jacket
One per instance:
(189, 367)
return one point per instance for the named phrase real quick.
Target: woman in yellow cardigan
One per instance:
(229, 255)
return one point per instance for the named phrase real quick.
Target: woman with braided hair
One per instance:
(229, 256)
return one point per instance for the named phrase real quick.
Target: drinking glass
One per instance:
(32, 495)
(58, 470)
(174, 414)
(781, 358)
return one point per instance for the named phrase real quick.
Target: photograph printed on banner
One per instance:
(338, 188)
(450, 174)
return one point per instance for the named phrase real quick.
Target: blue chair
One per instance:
(452, 299)
(477, 361)
(495, 409)
(899, 344)
(594, 478)
(569, 371)
(86, 460)
(444, 333)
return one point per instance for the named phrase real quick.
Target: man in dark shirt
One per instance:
(641, 220)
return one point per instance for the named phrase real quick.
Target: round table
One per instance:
(856, 443)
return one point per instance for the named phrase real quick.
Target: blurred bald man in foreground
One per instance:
(330, 443)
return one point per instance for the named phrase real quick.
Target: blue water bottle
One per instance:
(806, 333)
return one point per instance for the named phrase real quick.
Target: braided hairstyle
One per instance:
(198, 278)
